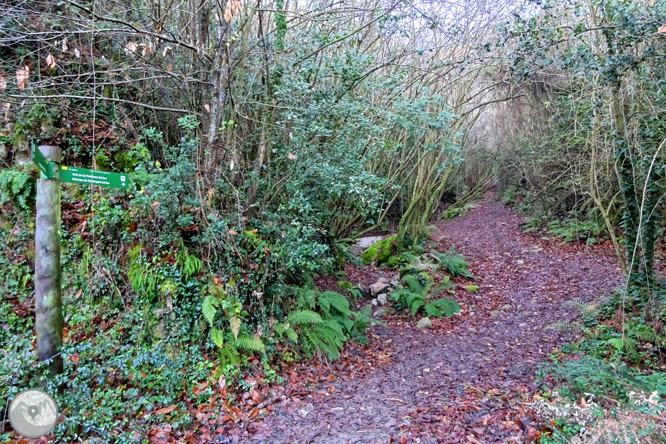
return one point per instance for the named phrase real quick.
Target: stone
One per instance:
(472, 330)
(379, 312)
(374, 302)
(506, 307)
(424, 323)
(363, 243)
(379, 286)
(306, 410)
(382, 298)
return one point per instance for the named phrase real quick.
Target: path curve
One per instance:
(424, 393)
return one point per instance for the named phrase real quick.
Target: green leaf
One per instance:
(218, 337)
(209, 308)
(617, 343)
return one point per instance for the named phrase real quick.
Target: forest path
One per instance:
(462, 380)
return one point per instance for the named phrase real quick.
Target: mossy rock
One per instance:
(379, 252)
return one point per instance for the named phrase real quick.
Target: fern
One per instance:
(349, 287)
(285, 330)
(291, 334)
(337, 301)
(563, 327)
(443, 307)
(217, 336)
(189, 265)
(248, 343)
(209, 308)
(443, 286)
(455, 263)
(414, 301)
(304, 317)
(16, 187)
(228, 355)
(326, 338)
(413, 284)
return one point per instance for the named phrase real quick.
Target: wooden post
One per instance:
(48, 274)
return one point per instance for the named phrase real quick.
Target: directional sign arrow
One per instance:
(48, 168)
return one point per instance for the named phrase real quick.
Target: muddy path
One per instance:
(465, 379)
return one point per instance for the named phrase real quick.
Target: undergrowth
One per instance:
(618, 365)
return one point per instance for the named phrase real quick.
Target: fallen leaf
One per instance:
(169, 68)
(222, 382)
(207, 107)
(165, 410)
(77, 53)
(22, 76)
(50, 61)
(131, 47)
(3, 83)
(63, 44)
(291, 156)
(473, 439)
(235, 324)
(155, 205)
(662, 29)
(232, 232)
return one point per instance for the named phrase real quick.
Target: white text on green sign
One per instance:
(92, 177)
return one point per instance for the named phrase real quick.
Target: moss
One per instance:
(379, 252)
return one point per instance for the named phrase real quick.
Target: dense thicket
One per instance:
(262, 137)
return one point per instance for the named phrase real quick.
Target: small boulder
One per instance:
(424, 323)
(379, 312)
(382, 298)
(363, 243)
(306, 410)
(379, 286)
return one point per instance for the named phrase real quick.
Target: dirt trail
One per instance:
(462, 380)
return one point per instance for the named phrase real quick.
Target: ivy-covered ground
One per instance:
(467, 378)
(488, 374)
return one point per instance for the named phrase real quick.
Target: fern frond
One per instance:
(337, 301)
(304, 317)
(563, 327)
(228, 355)
(291, 334)
(413, 284)
(578, 305)
(448, 307)
(418, 303)
(432, 311)
(248, 343)
(209, 308)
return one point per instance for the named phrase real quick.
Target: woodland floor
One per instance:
(466, 379)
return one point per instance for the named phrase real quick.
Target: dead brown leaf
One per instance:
(50, 61)
(22, 76)
(165, 410)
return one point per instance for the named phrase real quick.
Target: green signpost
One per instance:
(48, 273)
(94, 177)
(48, 168)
